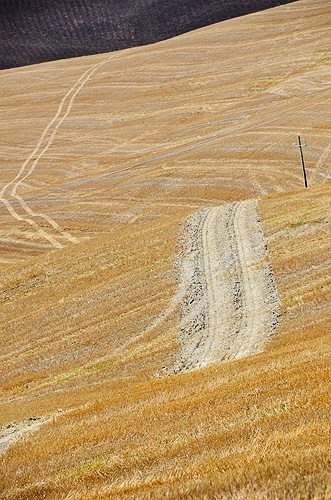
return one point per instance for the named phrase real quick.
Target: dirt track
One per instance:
(11, 433)
(230, 303)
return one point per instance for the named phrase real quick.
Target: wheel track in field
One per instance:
(45, 141)
(229, 298)
(321, 162)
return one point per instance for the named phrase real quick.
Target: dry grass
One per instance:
(87, 328)
(226, 431)
(86, 311)
(152, 101)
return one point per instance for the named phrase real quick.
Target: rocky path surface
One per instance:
(229, 299)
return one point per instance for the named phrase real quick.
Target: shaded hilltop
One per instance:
(34, 31)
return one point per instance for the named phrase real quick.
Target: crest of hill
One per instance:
(43, 30)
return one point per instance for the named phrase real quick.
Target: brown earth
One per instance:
(87, 327)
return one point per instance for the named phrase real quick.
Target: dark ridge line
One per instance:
(37, 31)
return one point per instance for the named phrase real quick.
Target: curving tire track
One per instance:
(321, 162)
(45, 141)
(229, 298)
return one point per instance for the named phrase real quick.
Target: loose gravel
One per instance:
(230, 305)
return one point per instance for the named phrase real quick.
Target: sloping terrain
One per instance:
(194, 122)
(226, 431)
(104, 158)
(45, 30)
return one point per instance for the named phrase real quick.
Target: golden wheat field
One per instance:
(103, 158)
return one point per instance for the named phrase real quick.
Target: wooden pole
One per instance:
(302, 162)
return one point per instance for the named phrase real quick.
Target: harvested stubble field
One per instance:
(88, 296)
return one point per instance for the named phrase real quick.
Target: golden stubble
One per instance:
(86, 329)
(226, 430)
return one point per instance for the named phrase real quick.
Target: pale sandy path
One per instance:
(16, 431)
(230, 302)
(12, 433)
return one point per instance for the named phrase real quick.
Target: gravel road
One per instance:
(229, 299)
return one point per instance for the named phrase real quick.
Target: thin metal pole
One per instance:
(302, 162)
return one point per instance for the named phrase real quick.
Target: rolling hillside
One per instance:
(45, 30)
(101, 173)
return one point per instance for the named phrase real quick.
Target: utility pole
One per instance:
(302, 162)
